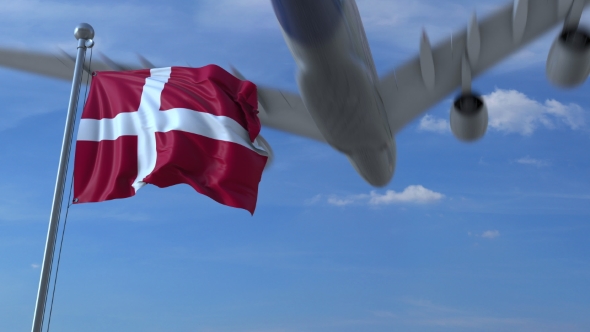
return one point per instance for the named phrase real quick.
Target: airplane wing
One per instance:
(279, 109)
(413, 88)
(407, 92)
(58, 65)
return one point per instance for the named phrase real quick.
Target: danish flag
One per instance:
(168, 126)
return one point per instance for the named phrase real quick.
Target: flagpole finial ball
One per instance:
(84, 31)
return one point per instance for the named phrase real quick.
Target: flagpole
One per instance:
(84, 34)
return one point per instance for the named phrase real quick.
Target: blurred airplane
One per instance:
(342, 100)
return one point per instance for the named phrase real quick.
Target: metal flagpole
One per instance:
(84, 34)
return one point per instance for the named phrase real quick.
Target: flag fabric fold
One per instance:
(167, 126)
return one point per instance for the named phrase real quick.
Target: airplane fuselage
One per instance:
(337, 81)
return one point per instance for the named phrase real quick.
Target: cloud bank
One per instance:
(414, 194)
(512, 111)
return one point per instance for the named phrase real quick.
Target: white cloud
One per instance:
(35, 266)
(512, 111)
(340, 201)
(490, 234)
(430, 123)
(531, 161)
(348, 200)
(414, 194)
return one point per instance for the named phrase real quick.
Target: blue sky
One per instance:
(490, 236)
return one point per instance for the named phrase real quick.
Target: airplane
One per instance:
(343, 101)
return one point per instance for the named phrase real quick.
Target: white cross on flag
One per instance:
(168, 126)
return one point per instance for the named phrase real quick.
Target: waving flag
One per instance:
(168, 126)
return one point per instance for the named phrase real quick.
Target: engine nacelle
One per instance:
(469, 117)
(568, 63)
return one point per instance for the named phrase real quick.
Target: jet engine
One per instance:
(568, 63)
(469, 117)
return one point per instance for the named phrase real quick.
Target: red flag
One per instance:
(168, 126)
